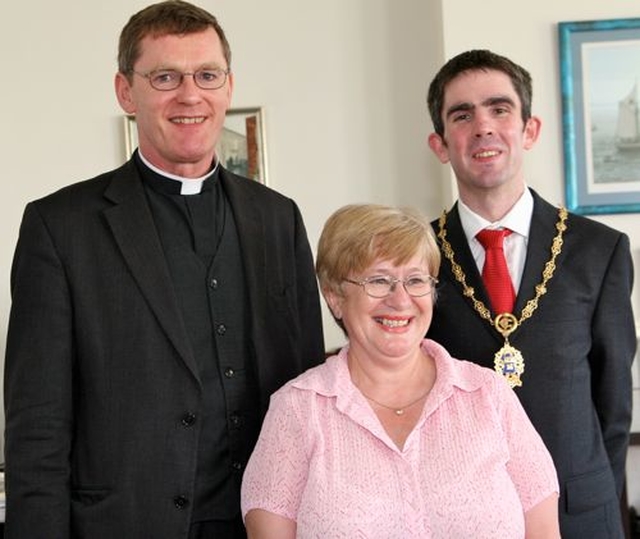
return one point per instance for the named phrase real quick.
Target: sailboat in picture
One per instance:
(628, 128)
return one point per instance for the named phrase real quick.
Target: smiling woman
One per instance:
(378, 441)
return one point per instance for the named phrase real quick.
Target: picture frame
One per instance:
(242, 146)
(600, 87)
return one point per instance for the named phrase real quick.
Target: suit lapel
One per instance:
(541, 234)
(248, 215)
(463, 256)
(132, 224)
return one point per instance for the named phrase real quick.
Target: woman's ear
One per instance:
(334, 301)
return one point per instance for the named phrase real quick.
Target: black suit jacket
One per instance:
(99, 370)
(578, 348)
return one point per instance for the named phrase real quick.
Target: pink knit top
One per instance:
(470, 469)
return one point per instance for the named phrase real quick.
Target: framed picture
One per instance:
(600, 83)
(241, 148)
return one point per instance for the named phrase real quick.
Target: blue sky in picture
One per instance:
(610, 70)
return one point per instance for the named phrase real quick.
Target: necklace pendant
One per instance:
(506, 324)
(508, 362)
(399, 411)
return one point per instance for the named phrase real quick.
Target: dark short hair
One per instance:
(172, 17)
(477, 60)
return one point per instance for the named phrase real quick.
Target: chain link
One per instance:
(541, 289)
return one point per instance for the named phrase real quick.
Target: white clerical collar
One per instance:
(517, 219)
(190, 186)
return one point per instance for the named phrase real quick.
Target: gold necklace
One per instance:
(508, 361)
(397, 411)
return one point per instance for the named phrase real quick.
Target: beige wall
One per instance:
(342, 83)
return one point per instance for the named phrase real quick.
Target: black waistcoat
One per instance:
(202, 250)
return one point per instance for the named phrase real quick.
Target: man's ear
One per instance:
(531, 132)
(439, 147)
(123, 93)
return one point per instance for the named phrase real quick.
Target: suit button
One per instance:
(213, 283)
(235, 419)
(180, 502)
(237, 466)
(229, 372)
(221, 329)
(188, 419)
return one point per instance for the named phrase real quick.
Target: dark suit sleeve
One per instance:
(38, 388)
(612, 352)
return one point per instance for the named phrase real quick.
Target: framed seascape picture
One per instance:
(600, 85)
(241, 148)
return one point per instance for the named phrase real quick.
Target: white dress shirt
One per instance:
(518, 220)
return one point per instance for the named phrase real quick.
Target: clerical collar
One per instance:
(179, 184)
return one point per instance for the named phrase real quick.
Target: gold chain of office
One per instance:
(508, 361)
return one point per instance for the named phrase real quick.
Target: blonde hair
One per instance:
(358, 234)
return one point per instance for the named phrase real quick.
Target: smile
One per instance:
(197, 120)
(486, 153)
(393, 323)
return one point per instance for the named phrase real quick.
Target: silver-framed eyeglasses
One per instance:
(381, 286)
(165, 80)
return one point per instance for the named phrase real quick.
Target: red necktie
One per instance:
(495, 273)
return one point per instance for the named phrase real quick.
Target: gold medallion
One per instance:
(506, 324)
(509, 362)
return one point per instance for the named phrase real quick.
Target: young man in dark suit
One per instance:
(155, 309)
(567, 345)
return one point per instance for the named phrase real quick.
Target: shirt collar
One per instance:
(174, 184)
(332, 378)
(518, 219)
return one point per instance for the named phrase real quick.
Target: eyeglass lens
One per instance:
(169, 79)
(383, 286)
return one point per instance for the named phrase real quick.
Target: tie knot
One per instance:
(492, 239)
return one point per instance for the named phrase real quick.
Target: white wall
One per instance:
(342, 83)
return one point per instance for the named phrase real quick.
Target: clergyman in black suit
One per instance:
(568, 344)
(155, 309)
